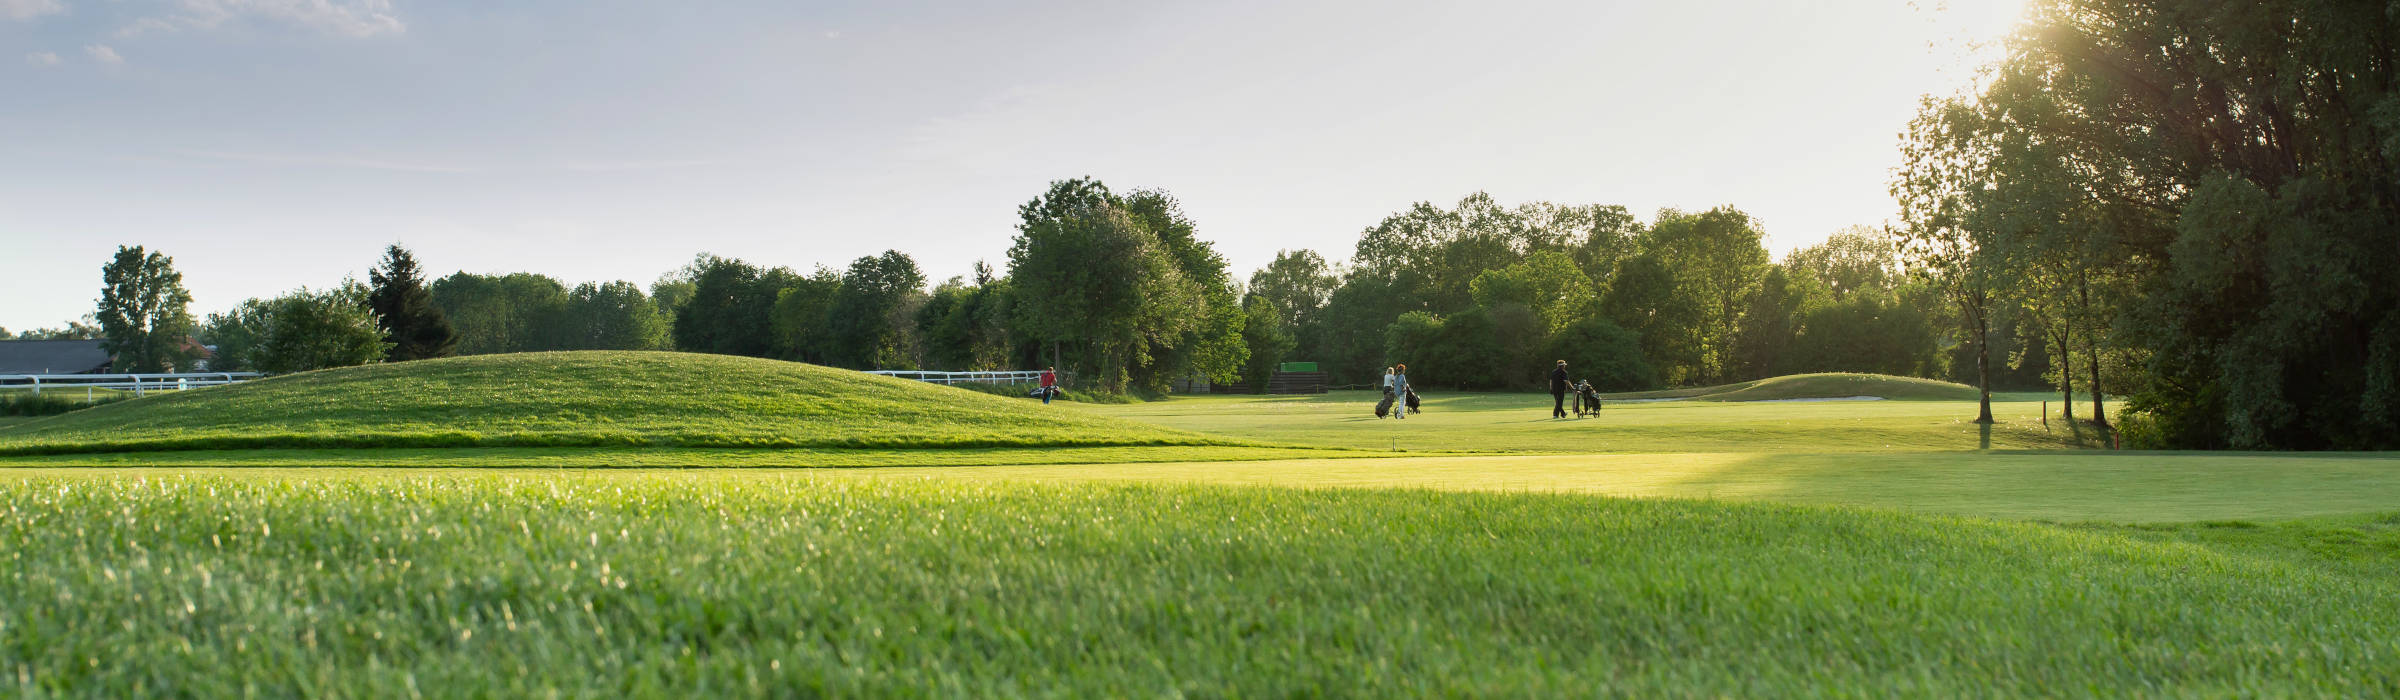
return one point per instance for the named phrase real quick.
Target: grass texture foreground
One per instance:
(581, 399)
(658, 584)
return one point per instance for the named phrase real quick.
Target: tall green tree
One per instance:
(668, 293)
(872, 318)
(1644, 298)
(944, 327)
(1763, 345)
(1297, 283)
(1602, 353)
(2241, 162)
(1718, 258)
(1211, 346)
(1852, 260)
(516, 312)
(801, 317)
(1268, 333)
(144, 314)
(1948, 242)
(1087, 273)
(1546, 282)
(612, 316)
(731, 308)
(404, 309)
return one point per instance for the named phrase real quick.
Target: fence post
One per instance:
(37, 386)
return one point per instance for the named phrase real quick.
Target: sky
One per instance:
(268, 145)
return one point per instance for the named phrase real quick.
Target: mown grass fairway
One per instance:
(672, 585)
(2051, 486)
(1201, 546)
(1482, 422)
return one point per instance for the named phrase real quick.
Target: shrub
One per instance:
(26, 403)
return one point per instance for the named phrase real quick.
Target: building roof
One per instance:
(52, 357)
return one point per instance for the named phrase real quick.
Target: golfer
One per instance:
(1400, 391)
(1049, 384)
(1558, 390)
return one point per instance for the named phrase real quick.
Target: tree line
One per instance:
(1484, 296)
(2194, 203)
(1119, 288)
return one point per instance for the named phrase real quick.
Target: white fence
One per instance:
(136, 383)
(1026, 377)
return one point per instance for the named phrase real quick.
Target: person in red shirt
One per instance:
(1049, 384)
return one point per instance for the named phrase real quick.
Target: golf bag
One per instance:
(1587, 400)
(1383, 409)
(1412, 401)
(1052, 390)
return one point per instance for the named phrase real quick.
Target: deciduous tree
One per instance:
(144, 314)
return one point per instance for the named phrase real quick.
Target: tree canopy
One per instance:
(404, 309)
(145, 321)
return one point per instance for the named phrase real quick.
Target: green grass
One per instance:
(532, 525)
(1487, 422)
(751, 583)
(1817, 386)
(653, 457)
(581, 399)
(2121, 487)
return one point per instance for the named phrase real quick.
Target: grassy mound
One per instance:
(1826, 385)
(580, 399)
(759, 584)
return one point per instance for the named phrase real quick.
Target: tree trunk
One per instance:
(2066, 374)
(2092, 352)
(1983, 367)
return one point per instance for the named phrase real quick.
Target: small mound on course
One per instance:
(1828, 385)
(581, 399)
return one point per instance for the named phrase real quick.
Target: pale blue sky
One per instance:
(269, 144)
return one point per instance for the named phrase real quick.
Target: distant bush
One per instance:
(2141, 431)
(26, 403)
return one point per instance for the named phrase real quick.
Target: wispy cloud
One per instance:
(43, 58)
(21, 10)
(351, 18)
(103, 54)
(375, 163)
(606, 166)
(334, 161)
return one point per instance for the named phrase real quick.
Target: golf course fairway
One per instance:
(602, 544)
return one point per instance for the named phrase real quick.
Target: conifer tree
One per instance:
(405, 311)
